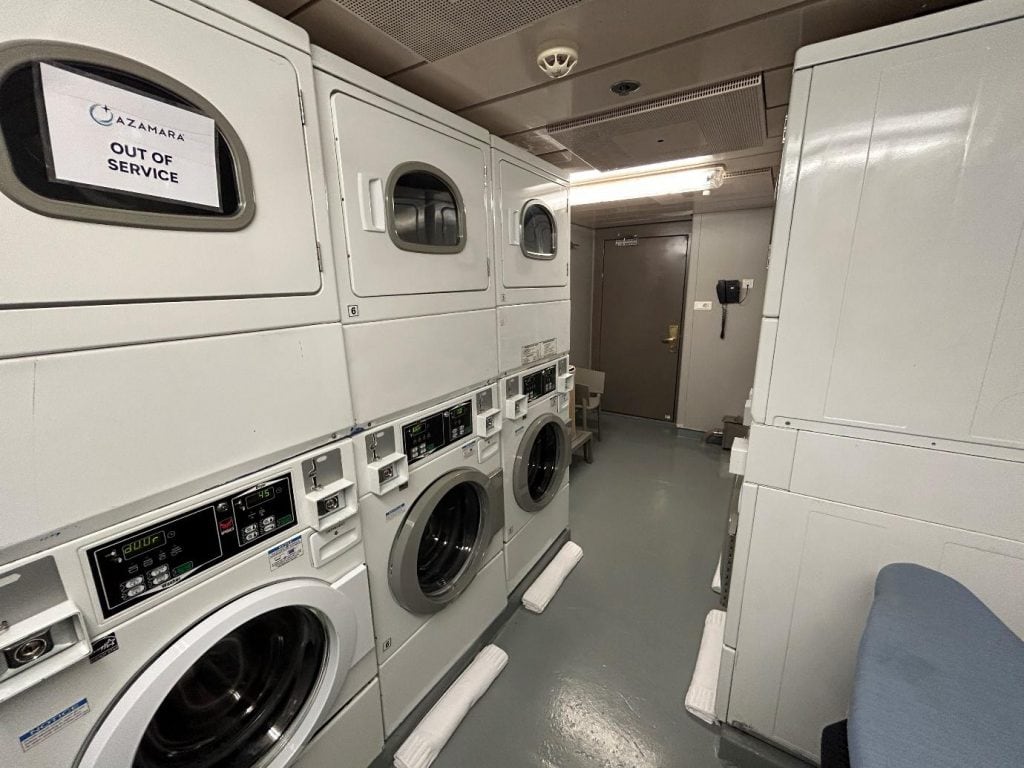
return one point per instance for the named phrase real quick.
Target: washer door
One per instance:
(243, 688)
(541, 463)
(438, 549)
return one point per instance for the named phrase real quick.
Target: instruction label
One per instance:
(550, 347)
(113, 138)
(46, 729)
(285, 552)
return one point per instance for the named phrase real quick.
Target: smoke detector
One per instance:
(557, 61)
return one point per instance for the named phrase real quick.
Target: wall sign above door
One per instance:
(101, 135)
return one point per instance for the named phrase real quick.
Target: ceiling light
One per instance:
(621, 187)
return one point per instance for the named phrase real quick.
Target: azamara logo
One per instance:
(103, 115)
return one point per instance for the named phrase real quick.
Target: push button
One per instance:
(135, 591)
(132, 583)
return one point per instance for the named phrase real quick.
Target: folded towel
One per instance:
(716, 582)
(543, 589)
(437, 726)
(700, 698)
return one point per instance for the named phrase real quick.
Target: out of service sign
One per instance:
(113, 138)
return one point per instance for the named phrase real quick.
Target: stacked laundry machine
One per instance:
(285, 385)
(888, 420)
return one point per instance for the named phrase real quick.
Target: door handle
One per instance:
(371, 202)
(673, 337)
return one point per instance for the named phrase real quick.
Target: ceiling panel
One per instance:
(281, 7)
(605, 31)
(718, 118)
(775, 120)
(743, 50)
(339, 30)
(777, 83)
(436, 29)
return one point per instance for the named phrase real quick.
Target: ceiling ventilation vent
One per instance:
(438, 28)
(705, 121)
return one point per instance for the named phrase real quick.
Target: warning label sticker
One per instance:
(531, 353)
(47, 728)
(285, 552)
(550, 347)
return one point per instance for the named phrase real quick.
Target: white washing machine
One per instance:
(412, 237)
(530, 206)
(432, 519)
(232, 628)
(162, 296)
(535, 458)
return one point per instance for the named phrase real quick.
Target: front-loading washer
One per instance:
(432, 516)
(530, 208)
(163, 293)
(229, 629)
(412, 241)
(535, 458)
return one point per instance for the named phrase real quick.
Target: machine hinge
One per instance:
(302, 108)
(319, 257)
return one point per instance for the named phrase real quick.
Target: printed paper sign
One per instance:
(109, 137)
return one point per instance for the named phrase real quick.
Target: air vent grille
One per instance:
(707, 120)
(438, 28)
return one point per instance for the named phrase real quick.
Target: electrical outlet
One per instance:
(748, 283)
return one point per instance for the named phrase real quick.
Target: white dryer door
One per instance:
(533, 230)
(414, 201)
(245, 686)
(147, 155)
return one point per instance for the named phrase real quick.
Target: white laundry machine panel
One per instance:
(158, 182)
(535, 458)
(531, 333)
(432, 515)
(236, 623)
(807, 587)
(126, 429)
(410, 183)
(531, 226)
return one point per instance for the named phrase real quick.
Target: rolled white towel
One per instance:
(437, 726)
(700, 698)
(544, 588)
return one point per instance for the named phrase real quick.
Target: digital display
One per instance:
(417, 428)
(258, 497)
(143, 544)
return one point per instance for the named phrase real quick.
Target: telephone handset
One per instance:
(728, 293)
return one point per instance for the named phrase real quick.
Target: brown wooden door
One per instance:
(642, 288)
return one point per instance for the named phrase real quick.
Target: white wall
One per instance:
(581, 270)
(716, 374)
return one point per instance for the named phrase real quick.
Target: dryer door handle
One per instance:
(514, 226)
(371, 202)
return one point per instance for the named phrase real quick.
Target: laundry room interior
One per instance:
(541, 384)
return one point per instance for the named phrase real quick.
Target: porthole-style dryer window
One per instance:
(539, 239)
(448, 540)
(91, 136)
(425, 210)
(231, 707)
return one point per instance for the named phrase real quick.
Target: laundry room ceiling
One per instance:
(478, 58)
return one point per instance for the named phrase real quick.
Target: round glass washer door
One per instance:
(232, 692)
(539, 236)
(439, 548)
(541, 462)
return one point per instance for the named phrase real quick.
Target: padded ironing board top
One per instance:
(939, 680)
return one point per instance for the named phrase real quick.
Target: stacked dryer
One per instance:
(172, 368)
(408, 186)
(530, 207)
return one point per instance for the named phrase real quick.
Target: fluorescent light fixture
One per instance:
(617, 186)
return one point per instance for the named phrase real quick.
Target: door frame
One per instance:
(643, 231)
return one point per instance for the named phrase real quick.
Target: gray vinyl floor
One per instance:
(598, 679)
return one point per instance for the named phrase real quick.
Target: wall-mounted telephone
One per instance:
(728, 293)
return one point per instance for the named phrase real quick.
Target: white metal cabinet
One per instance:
(807, 591)
(58, 255)
(531, 227)
(903, 301)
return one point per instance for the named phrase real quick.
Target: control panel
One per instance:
(539, 383)
(438, 430)
(131, 568)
